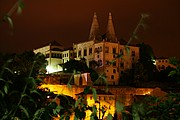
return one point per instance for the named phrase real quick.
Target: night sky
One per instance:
(69, 21)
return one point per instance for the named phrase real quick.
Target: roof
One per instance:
(52, 43)
(98, 91)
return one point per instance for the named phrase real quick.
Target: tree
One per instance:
(20, 98)
(146, 59)
(75, 65)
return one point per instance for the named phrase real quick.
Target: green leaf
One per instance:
(119, 107)
(77, 102)
(2, 80)
(144, 15)
(2, 94)
(35, 91)
(86, 90)
(9, 21)
(24, 95)
(57, 110)
(94, 94)
(109, 117)
(38, 113)
(172, 73)
(20, 6)
(6, 88)
(127, 50)
(19, 10)
(69, 86)
(24, 110)
(9, 70)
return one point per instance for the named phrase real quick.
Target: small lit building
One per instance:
(162, 63)
(105, 100)
(55, 55)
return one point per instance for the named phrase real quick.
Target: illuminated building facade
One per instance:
(100, 48)
(55, 55)
(106, 48)
(162, 63)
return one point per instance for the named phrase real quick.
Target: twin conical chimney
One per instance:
(95, 30)
(110, 33)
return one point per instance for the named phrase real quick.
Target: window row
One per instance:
(84, 52)
(103, 98)
(54, 55)
(163, 61)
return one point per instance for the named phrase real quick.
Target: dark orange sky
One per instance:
(68, 21)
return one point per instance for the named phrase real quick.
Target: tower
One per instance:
(95, 31)
(110, 32)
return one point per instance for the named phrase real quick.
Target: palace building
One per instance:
(112, 57)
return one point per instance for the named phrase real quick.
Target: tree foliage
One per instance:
(20, 98)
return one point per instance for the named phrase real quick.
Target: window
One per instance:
(100, 49)
(162, 67)
(133, 58)
(60, 55)
(85, 52)
(90, 97)
(64, 55)
(122, 65)
(79, 53)
(47, 55)
(114, 70)
(107, 62)
(106, 49)
(121, 52)
(110, 98)
(114, 56)
(112, 76)
(67, 54)
(114, 63)
(90, 51)
(99, 62)
(97, 56)
(114, 50)
(133, 53)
